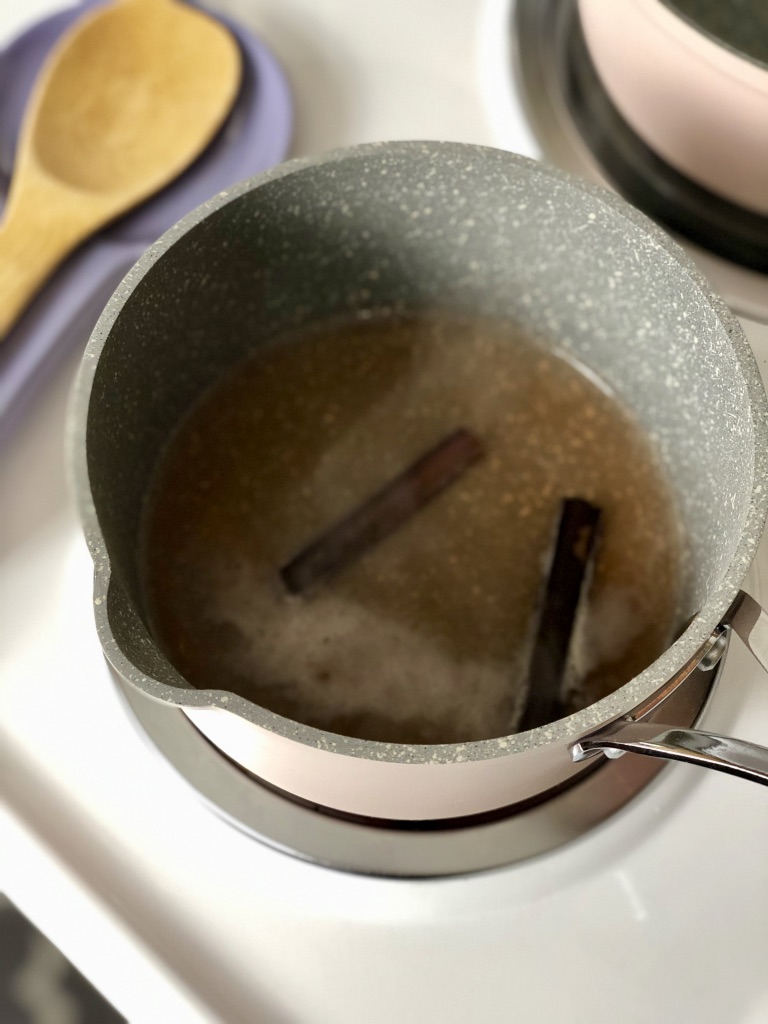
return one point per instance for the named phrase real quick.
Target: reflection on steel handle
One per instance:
(750, 622)
(707, 749)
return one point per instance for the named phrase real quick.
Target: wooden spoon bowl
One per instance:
(128, 98)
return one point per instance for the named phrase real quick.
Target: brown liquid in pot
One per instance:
(425, 637)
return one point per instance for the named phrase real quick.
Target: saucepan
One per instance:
(476, 231)
(691, 78)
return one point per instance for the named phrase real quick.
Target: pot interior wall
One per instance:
(742, 27)
(416, 227)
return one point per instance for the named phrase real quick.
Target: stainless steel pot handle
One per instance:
(750, 622)
(706, 749)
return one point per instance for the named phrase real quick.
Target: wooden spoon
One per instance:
(127, 99)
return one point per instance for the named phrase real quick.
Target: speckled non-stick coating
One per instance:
(408, 226)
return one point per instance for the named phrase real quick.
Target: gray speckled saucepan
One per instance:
(421, 225)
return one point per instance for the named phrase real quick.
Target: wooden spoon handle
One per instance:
(40, 228)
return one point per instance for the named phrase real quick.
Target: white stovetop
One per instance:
(662, 914)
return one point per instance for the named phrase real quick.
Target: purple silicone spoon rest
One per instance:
(255, 136)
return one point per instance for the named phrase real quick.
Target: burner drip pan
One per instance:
(409, 849)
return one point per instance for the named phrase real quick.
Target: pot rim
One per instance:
(565, 730)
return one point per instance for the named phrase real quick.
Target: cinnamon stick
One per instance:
(384, 512)
(575, 544)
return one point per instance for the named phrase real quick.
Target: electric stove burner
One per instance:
(409, 849)
(580, 129)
